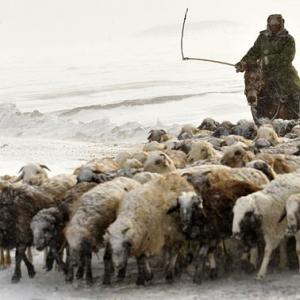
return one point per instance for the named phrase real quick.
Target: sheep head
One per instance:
(187, 205)
(119, 245)
(157, 135)
(236, 156)
(33, 174)
(247, 222)
(45, 226)
(292, 213)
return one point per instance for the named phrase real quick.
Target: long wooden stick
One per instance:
(209, 60)
(199, 59)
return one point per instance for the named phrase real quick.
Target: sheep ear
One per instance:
(21, 170)
(163, 131)
(45, 167)
(199, 201)
(282, 217)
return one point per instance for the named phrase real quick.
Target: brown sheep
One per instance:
(208, 217)
(281, 163)
(236, 156)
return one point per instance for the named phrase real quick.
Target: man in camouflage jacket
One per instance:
(276, 48)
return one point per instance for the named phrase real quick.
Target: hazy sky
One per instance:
(40, 22)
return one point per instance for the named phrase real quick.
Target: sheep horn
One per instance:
(21, 176)
(45, 167)
(282, 217)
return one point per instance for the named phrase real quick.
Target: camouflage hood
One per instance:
(275, 19)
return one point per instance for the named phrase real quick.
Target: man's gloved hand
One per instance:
(240, 66)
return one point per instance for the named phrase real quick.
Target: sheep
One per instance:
(88, 175)
(246, 129)
(267, 132)
(142, 228)
(221, 132)
(256, 216)
(283, 127)
(159, 162)
(97, 210)
(281, 163)
(187, 132)
(126, 159)
(33, 174)
(262, 166)
(103, 165)
(236, 156)
(154, 146)
(5, 258)
(48, 224)
(209, 124)
(296, 130)
(178, 157)
(159, 135)
(18, 204)
(144, 177)
(207, 217)
(291, 213)
(234, 139)
(202, 150)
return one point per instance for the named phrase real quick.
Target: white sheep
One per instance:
(292, 215)
(159, 162)
(33, 174)
(258, 214)
(144, 229)
(202, 150)
(97, 210)
(267, 132)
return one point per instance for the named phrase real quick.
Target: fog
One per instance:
(55, 23)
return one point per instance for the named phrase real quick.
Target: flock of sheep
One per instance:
(215, 196)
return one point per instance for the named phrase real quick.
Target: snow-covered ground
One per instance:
(84, 79)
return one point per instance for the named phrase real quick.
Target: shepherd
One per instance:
(278, 95)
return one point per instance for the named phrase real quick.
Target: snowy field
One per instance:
(85, 79)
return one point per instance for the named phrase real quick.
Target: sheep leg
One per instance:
(108, 266)
(7, 258)
(269, 247)
(46, 253)
(200, 262)
(70, 272)
(253, 257)
(59, 260)
(88, 266)
(170, 272)
(80, 270)
(29, 253)
(283, 254)
(148, 270)
(2, 264)
(297, 236)
(213, 266)
(30, 268)
(122, 272)
(141, 280)
(17, 274)
(49, 261)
